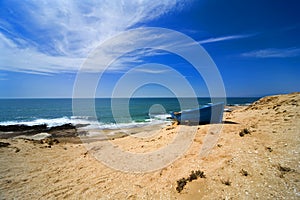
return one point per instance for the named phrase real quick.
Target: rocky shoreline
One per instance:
(65, 130)
(66, 133)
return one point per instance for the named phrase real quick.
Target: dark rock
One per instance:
(81, 125)
(17, 149)
(284, 169)
(62, 127)
(226, 182)
(244, 172)
(65, 130)
(10, 131)
(269, 149)
(4, 144)
(23, 128)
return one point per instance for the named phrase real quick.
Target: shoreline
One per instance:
(69, 130)
(256, 156)
(70, 133)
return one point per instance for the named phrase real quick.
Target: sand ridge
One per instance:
(261, 164)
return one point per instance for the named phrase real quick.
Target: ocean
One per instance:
(108, 112)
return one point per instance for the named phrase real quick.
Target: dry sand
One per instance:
(263, 164)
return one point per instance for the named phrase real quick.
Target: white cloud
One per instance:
(30, 60)
(225, 38)
(152, 71)
(273, 53)
(60, 34)
(129, 48)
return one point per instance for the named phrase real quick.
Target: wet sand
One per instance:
(254, 154)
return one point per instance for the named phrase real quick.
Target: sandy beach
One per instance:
(255, 154)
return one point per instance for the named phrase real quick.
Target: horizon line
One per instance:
(15, 98)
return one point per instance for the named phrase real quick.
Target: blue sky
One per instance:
(255, 45)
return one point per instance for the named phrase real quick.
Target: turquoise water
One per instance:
(59, 111)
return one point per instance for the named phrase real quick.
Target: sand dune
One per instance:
(253, 155)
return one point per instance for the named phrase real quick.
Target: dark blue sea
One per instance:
(106, 112)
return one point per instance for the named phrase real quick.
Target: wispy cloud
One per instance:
(30, 60)
(54, 36)
(153, 71)
(132, 47)
(225, 38)
(273, 53)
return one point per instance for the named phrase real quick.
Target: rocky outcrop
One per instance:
(23, 128)
(65, 130)
(4, 144)
(62, 127)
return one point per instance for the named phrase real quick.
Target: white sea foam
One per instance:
(90, 122)
(163, 117)
(49, 122)
(114, 126)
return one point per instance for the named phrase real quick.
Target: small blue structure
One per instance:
(208, 114)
